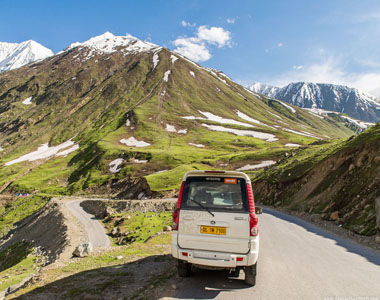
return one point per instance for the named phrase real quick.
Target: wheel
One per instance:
(183, 268)
(250, 274)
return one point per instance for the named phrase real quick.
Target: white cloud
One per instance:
(214, 35)
(188, 24)
(197, 48)
(231, 20)
(192, 49)
(332, 71)
(280, 44)
(297, 67)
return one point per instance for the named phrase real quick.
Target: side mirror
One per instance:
(258, 210)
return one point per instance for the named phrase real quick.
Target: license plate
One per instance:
(213, 230)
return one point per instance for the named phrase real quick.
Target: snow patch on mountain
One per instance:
(197, 145)
(215, 118)
(173, 58)
(44, 151)
(263, 164)
(132, 142)
(16, 55)
(166, 76)
(114, 166)
(27, 101)
(155, 60)
(259, 135)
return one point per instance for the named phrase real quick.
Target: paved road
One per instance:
(95, 231)
(297, 260)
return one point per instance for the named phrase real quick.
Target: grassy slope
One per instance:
(324, 178)
(16, 210)
(94, 107)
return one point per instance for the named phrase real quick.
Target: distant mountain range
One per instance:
(328, 97)
(16, 55)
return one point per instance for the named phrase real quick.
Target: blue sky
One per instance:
(274, 42)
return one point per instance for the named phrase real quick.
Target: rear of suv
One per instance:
(215, 225)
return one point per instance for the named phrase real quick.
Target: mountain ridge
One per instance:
(330, 97)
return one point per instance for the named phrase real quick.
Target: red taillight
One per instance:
(175, 219)
(176, 211)
(184, 253)
(180, 194)
(250, 198)
(239, 258)
(253, 221)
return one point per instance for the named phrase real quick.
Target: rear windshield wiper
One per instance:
(203, 207)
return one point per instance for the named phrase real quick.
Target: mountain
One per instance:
(14, 55)
(119, 116)
(336, 182)
(328, 97)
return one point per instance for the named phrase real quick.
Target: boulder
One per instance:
(83, 250)
(108, 211)
(167, 228)
(377, 239)
(115, 231)
(334, 216)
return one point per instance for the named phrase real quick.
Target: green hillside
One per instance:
(96, 103)
(338, 182)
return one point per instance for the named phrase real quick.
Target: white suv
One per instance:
(215, 225)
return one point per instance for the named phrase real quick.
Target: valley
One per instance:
(96, 138)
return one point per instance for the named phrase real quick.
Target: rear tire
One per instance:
(183, 268)
(250, 274)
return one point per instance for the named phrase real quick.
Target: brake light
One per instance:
(180, 194)
(239, 258)
(251, 201)
(176, 211)
(175, 219)
(184, 253)
(215, 172)
(253, 221)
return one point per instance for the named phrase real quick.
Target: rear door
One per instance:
(214, 215)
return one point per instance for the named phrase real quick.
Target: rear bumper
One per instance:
(216, 259)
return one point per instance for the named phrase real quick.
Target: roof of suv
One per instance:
(215, 173)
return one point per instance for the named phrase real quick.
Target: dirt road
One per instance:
(297, 260)
(95, 231)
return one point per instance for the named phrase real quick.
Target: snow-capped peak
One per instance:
(16, 55)
(109, 43)
(338, 98)
(264, 89)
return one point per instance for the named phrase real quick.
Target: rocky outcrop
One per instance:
(101, 208)
(83, 250)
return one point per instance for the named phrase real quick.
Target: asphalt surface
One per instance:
(95, 231)
(297, 260)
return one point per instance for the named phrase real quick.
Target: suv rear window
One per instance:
(215, 193)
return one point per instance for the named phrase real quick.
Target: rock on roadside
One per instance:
(83, 249)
